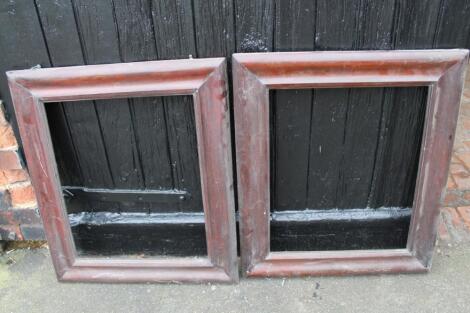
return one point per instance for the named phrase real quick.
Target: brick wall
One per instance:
(19, 217)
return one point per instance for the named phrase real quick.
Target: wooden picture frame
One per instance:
(206, 81)
(257, 73)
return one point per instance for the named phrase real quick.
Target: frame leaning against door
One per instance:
(206, 81)
(442, 71)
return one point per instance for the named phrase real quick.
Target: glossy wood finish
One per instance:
(205, 80)
(255, 74)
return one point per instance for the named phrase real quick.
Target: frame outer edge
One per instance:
(445, 96)
(34, 131)
(421, 238)
(30, 111)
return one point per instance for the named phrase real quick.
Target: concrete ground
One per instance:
(28, 284)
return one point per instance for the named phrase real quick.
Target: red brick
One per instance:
(7, 138)
(22, 196)
(451, 183)
(450, 198)
(455, 218)
(466, 123)
(466, 92)
(464, 157)
(457, 168)
(464, 212)
(10, 160)
(12, 176)
(462, 181)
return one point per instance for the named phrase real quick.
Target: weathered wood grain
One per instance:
(174, 29)
(214, 22)
(22, 46)
(254, 25)
(80, 119)
(100, 40)
(174, 32)
(291, 111)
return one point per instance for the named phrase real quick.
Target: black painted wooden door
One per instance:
(342, 149)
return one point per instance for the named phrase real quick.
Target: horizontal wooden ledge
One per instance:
(340, 214)
(346, 81)
(129, 195)
(343, 254)
(134, 218)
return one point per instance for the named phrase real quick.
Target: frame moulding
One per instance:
(256, 73)
(206, 81)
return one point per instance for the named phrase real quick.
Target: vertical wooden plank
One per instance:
(137, 43)
(347, 175)
(453, 30)
(254, 25)
(64, 150)
(336, 24)
(291, 110)
(294, 28)
(353, 25)
(174, 33)
(214, 28)
(415, 23)
(336, 29)
(326, 141)
(22, 45)
(375, 25)
(100, 40)
(61, 34)
(63, 144)
(374, 31)
(134, 26)
(399, 148)
(290, 133)
(359, 145)
(183, 149)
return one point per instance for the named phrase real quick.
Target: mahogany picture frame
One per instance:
(255, 74)
(206, 81)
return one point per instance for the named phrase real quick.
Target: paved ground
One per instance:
(28, 284)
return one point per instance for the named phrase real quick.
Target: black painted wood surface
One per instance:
(330, 148)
